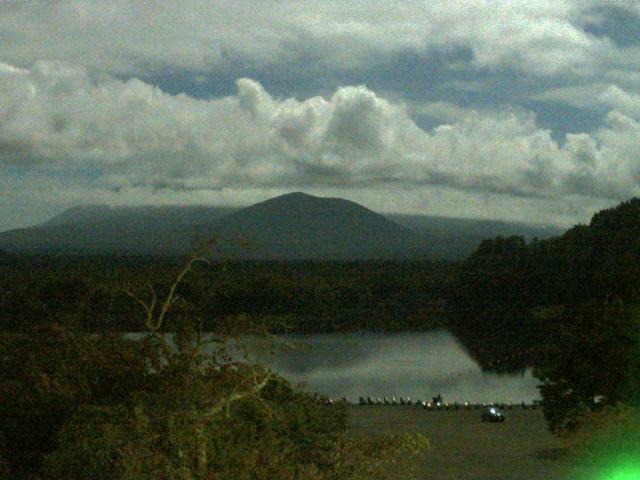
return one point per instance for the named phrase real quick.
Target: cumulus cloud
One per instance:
(596, 96)
(123, 134)
(579, 96)
(621, 100)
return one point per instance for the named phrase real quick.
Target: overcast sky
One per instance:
(516, 110)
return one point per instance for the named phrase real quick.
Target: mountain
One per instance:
(458, 237)
(146, 215)
(113, 230)
(291, 226)
(301, 226)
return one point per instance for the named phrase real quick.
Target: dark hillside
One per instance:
(510, 294)
(292, 226)
(105, 230)
(457, 238)
(300, 226)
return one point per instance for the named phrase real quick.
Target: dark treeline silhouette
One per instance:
(303, 296)
(566, 306)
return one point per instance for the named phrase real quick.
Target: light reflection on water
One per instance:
(417, 365)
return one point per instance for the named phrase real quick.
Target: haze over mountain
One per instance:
(453, 238)
(291, 226)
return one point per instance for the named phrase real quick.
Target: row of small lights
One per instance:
(431, 405)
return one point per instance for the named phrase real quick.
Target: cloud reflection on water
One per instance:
(419, 365)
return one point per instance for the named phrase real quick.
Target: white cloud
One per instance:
(596, 96)
(127, 134)
(621, 100)
(537, 37)
(579, 96)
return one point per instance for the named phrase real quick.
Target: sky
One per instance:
(514, 110)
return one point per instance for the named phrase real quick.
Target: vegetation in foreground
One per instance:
(76, 405)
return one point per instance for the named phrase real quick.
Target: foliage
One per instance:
(490, 304)
(389, 457)
(309, 296)
(594, 355)
(168, 435)
(565, 306)
(5, 469)
(250, 442)
(79, 405)
(47, 374)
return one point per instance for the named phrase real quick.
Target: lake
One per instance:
(419, 365)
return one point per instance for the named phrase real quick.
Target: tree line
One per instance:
(567, 306)
(303, 297)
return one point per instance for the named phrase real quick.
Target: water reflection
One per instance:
(416, 365)
(419, 365)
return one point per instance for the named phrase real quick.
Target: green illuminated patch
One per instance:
(607, 447)
(627, 472)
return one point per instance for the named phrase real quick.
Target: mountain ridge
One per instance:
(301, 226)
(307, 227)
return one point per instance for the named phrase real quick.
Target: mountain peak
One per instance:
(301, 202)
(294, 195)
(298, 225)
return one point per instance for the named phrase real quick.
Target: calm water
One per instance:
(419, 365)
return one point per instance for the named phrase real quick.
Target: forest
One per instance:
(567, 306)
(302, 297)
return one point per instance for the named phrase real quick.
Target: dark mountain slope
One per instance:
(301, 226)
(106, 230)
(457, 238)
(290, 226)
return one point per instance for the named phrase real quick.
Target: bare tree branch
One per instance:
(171, 296)
(235, 396)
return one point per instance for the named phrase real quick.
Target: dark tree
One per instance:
(591, 360)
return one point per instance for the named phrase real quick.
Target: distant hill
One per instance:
(457, 237)
(301, 226)
(145, 215)
(291, 226)
(114, 230)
